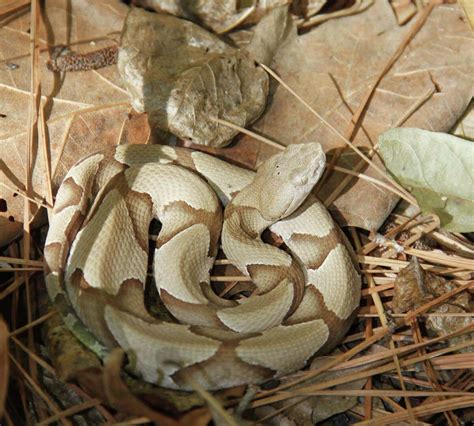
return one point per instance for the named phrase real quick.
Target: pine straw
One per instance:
(409, 350)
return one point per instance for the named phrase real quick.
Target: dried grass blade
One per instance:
(424, 410)
(35, 387)
(18, 261)
(368, 359)
(337, 360)
(4, 365)
(13, 7)
(34, 323)
(282, 396)
(70, 411)
(17, 282)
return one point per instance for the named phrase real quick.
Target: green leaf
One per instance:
(438, 169)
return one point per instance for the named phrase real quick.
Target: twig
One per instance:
(33, 323)
(35, 98)
(37, 389)
(26, 197)
(18, 261)
(421, 411)
(70, 411)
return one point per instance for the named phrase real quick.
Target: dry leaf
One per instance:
(221, 15)
(4, 366)
(353, 50)
(409, 288)
(121, 398)
(269, 34)
(415, 287)
(85, 111)
(184, 77)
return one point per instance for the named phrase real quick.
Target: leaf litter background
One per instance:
(331, 66)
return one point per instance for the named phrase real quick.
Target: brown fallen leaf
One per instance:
(224, 15)
(184, 77)
(84, 111)
(121, 398)
(415, 287)
(353, 50)
(4, 365)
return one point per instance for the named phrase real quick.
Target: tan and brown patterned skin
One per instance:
(96, 263)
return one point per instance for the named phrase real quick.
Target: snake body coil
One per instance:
(97, 253)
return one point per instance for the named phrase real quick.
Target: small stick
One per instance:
(27, 197)
(18, 261)
(33, 323)
(70, 411)
(249, 133)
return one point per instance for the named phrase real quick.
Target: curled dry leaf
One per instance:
(415, 287)
(84, 111)
(437, 169)
(185, 77)
(4, 366)
(349, 49)
(410, 289)
(224, 15)
(268, 34)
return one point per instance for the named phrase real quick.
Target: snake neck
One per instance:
(243, 245)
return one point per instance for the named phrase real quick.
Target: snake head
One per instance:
(287, 178)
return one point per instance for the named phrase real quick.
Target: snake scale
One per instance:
(97, 248)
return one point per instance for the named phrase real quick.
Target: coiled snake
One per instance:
(97, 253)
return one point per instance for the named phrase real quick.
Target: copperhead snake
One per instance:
(96, 256)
